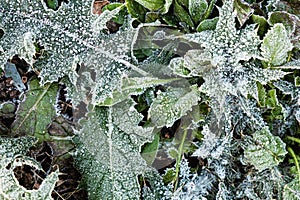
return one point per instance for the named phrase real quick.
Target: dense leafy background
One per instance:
(182, 99)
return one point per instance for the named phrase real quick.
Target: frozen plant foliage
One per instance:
(266, 151)
(108, 153)
(70, 35)
(226, 66)
(276, 45)
(37, 111)
(172, 104)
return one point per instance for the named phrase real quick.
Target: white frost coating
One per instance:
(171, 105)
(100, 23)
(68, 35)
(266, 150)
(220, 63)
(276, 44)
(111, 171)
(212, 146)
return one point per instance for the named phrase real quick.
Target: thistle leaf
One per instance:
(133, 86)
(110, 172)
(69, 36)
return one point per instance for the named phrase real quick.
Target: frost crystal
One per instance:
(171, 105)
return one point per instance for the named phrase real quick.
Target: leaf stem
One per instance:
(293, 139)
(179, 157)
(291, 151)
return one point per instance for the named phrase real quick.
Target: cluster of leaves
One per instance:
(148, 100)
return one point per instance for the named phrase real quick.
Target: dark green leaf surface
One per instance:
(37, 110)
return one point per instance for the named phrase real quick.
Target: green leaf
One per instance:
(267, 151)
(276, 45)
(261, 94)
(149, 150)
(243, 11)
(208, 24)
(287, 19)
(108, 151)
(12, 151)
(108, 13)
(291, 23)
(197, 9)
(133, 86)
(36, 111)
(155, 5)
(297, 81)
(136, 10)
(272, 100)
(183, 15)
(262, 23)
(291, 190)
(53, 4)
(171, 105)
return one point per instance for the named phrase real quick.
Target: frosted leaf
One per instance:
(276, 45)
(194, 63)
(133, 86)
(295, 64)
(171, 105)
(292, 190)
(223, 192)
(261, 185)
(267, 151)
(108, 153)
(243, 11)
(220, 62)
(212, 145)
(12, 151)
(225, 43)
(286, 88)
(100, 23)
(68, 37)
(197, 9)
